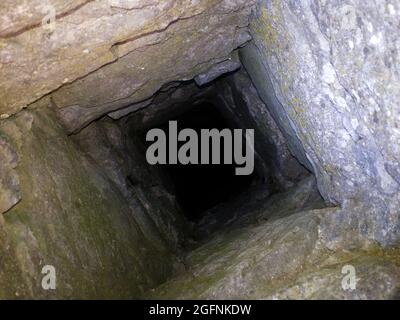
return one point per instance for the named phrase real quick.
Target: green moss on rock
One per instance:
(72, 217)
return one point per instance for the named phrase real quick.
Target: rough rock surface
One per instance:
(240, 102)
(324, 96)
(170, 101)
(328, 71)
(9, 181)
(230, 65)
(105, 55)
(75, 218)
(270, 252)
(154, 208)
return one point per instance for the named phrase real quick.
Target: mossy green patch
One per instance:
(72, 217)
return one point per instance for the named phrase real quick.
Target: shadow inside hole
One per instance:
(201, 187)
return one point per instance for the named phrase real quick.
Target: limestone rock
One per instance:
(230, 65)
(9, 180)
(83, 80)
(73, 217)
(105, 55)
(19, 16)
(155, 211)
(169, 101)
(272, 253)
(326, 283)
(242, 102)
(327, 72)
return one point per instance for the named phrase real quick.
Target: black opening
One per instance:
(201, 187)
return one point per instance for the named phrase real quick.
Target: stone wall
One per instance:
(70, 213)
(328, 72)
(239, 101)
(103, 55)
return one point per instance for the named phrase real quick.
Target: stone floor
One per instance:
(253, 248)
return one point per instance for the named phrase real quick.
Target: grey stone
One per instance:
(271, 253)
(241, 102)
(73, 216)
(102, 56)
(326, 71)
(321, 88)
(9, 181)
(230, 65)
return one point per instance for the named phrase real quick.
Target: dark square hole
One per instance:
(199, 187)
